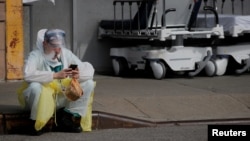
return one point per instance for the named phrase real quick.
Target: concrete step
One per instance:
(14, 120)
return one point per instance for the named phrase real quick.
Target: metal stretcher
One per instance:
(162, 20)
(235, 46)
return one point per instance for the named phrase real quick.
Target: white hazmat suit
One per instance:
(37, 72)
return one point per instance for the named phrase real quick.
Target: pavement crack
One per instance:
(145, 114)
(210, 89)
(235, 98)
(98, 103)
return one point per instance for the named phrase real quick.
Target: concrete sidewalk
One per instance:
(162, 101)
(175, 99)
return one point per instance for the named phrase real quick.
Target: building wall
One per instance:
(88, 14)
(43, 14)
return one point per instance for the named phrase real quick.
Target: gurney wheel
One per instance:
(159, 69)
(120, 66)
(211, 68)
(221, 64)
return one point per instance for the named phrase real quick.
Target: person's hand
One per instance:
(63, 73)
(75, 73)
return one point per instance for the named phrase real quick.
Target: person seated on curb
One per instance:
(45, 72)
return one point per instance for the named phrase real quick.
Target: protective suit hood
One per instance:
(40, 39)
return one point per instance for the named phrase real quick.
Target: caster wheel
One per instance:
(159, 69)
(210, 68)
(221, 64)
(120, 66)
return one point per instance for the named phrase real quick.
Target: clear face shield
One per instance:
(55, 37)
(55, 40)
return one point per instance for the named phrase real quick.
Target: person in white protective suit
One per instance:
(50, 61)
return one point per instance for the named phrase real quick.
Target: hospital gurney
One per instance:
(159, 20)
(234, 45)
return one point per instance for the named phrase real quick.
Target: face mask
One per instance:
(50, 57)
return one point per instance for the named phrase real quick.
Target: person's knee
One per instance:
(32, 94)
(35, 86)
(88, 85)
